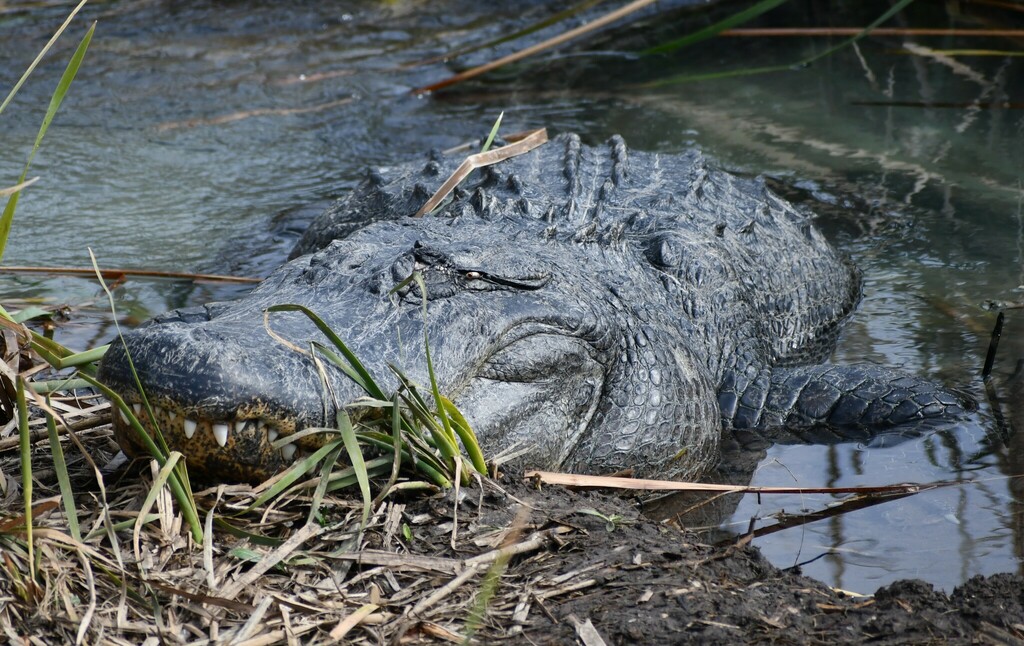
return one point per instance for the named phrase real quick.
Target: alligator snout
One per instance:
(218, 396)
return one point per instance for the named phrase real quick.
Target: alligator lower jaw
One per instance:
(250, 447)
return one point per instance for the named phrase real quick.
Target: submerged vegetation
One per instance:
(711, 31)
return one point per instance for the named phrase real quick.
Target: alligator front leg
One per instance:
(829, 404)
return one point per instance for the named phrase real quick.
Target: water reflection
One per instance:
(202, 136)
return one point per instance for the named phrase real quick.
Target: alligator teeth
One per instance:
(240, 425)
(171, 415)
(271, 434)
(124, 418)
(220, 433)
(288, 451)
(137, 408)
(189, 427)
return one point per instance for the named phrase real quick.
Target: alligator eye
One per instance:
(493, 281)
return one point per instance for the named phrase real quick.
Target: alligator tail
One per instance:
(829, 404)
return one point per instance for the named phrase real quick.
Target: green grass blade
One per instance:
(57, 385)
(483, 600)
(405, 281)
(294, 472)
(892, 11)
(40, 55)
(371, 386)
(713, 30)
(418, 408)
(163, 476)
(707, 76)
(84, 357)
(51, 346)
(338, 482)
(342, 482)
(58, 97)
(255, 539)
(493, 133)
(182, 472)
(117, 527)
(78, 359)
(321, 487)
(413, 450)
(282, 440)
(343, 365)
(30, 313)
(526, 31)
(450, 435)
(50, 357)
(371, 403)
(711, 76)
(434, 447)
(346, 477)
(416, 485)
(372, 468)
(465, 433)
(182, 492)
(67, 494)
(117, 402)
(430, 469)
(355, 454)
(396, 448)
(121, 584)
(25, 446)
(396, 431)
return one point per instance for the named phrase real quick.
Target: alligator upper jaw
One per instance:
(222, 396)
(248, 447)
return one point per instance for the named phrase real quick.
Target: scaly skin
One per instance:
(605, 307)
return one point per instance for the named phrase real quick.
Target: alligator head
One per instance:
(527, 339)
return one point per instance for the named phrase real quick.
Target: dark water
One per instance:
(202, 136)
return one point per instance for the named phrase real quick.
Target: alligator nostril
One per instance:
(403, 267)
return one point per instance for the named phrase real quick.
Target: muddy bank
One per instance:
(635, 581)
(511, 563)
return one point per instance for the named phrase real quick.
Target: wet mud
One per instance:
(637, 581)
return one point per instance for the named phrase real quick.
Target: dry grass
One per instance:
(260, 577)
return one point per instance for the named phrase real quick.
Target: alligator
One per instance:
(602, 308)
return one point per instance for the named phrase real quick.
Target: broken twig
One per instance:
(523, 144)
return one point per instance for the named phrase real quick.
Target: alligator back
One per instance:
(749, 273)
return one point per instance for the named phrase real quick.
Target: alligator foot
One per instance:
(826, 404)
